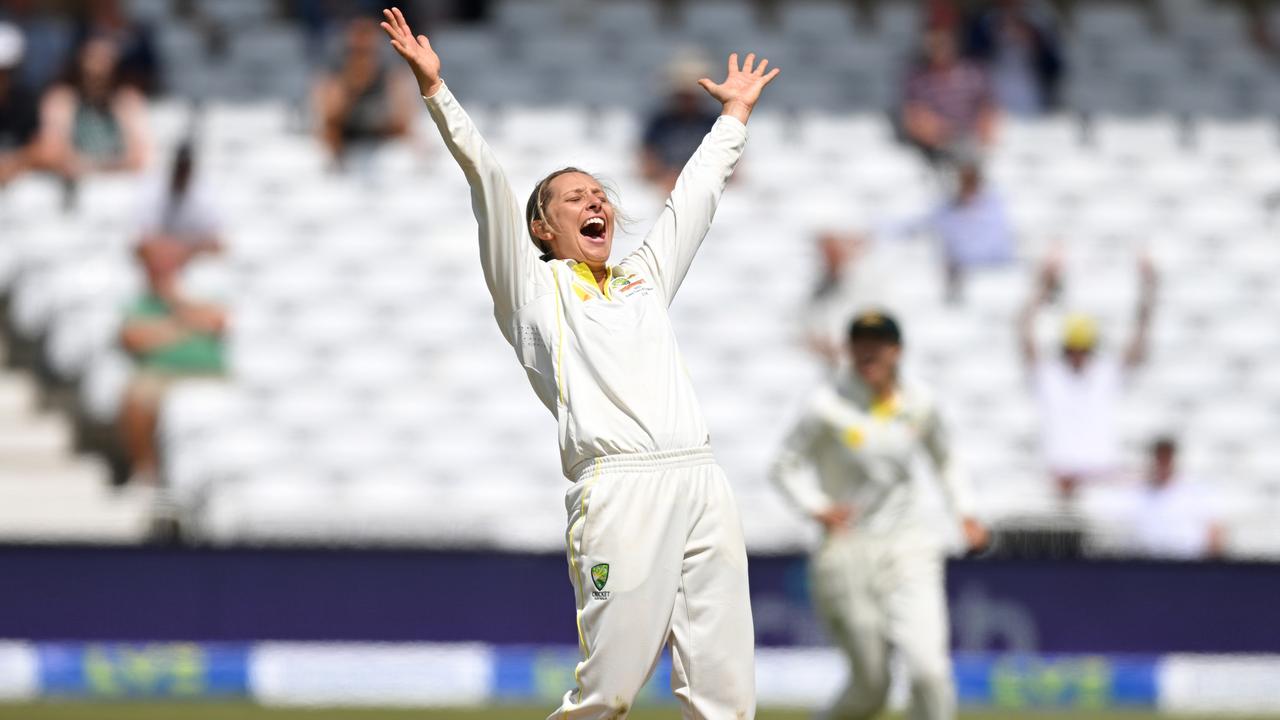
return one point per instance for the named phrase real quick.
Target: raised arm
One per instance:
(512, 268)
(1046, 282)
(674, 240)
(1136, 353)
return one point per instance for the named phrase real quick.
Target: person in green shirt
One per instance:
(170, 337)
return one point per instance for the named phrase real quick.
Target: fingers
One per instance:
(772, 74)
(733, 63)
(746, 66)
(764, 63)
(706, 84)
(404, 24)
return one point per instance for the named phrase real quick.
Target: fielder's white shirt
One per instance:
(1078, 414)
(606, 364)
(861, 453)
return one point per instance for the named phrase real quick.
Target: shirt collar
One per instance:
(583, 273)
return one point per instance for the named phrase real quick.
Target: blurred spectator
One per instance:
(170, 337)
(972, 226)
(91, 122)
(1078, 389)
(673, 133)
(363, 100)
(48, 40)
(179, 218)
(948, 101)
(1173, 517)
(138, 62)
(1017, 41)
(847, 280)
(19, 114)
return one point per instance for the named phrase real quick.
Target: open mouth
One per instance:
(593, 228)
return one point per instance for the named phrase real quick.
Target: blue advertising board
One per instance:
(143, 670)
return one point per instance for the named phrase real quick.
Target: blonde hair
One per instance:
(536, 208)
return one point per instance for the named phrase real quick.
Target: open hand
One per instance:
(741, 87)
(416, 51)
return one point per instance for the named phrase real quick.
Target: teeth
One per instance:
(594, 221)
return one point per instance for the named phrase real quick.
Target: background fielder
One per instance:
(877, 578)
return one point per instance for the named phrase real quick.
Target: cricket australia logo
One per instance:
(600, 576)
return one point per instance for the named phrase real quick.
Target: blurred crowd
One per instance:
(75, 78)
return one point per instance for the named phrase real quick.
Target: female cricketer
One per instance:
(654, 540)
(877, 578)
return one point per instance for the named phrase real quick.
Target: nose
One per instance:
(595, 204)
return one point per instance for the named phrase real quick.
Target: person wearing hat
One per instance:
(1078, 388)
(19, 109)
(877, 577)
(673, 132)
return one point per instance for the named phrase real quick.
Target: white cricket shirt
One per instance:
(606, 364)
(861, 453)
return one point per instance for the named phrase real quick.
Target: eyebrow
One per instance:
(596, 189)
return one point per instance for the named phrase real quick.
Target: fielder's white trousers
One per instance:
(655, 555)
(882, 593)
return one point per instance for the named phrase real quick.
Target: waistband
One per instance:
(641, 462)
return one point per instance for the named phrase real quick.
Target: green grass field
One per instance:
(215, 711)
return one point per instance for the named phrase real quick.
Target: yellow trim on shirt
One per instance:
(885, 409)
(582, 272)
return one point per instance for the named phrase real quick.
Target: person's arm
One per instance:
(399, 105)
(669, 248)
(145, 335)
(54, 149)
(956, 486)
(1046, 281)
(792, 474)
(1136, 353)
(512, 267)
(130, 108)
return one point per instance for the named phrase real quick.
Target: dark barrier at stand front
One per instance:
(155, 594)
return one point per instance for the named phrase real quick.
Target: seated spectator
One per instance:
(19, 114)
(846, 281)
(1174, 517)
(138, 59)
(170, 337)
(972, 226)
(1017, 42)
(362, 100)
(91, 122)
(673, 132)
(1078, 389)
(178, 215)
(948, 101)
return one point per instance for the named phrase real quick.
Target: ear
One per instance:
(542, 230)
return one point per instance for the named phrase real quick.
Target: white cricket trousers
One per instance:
(877, 594)
(655, 555)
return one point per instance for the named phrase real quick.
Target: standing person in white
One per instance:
(877, 578)
(654, 541)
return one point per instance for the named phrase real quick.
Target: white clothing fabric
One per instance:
(605, 364)
(666, 531)
(863, 451)
(1078, 414)
(648, 503)
(879, 584)
(877, 595)
(1174, 521)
